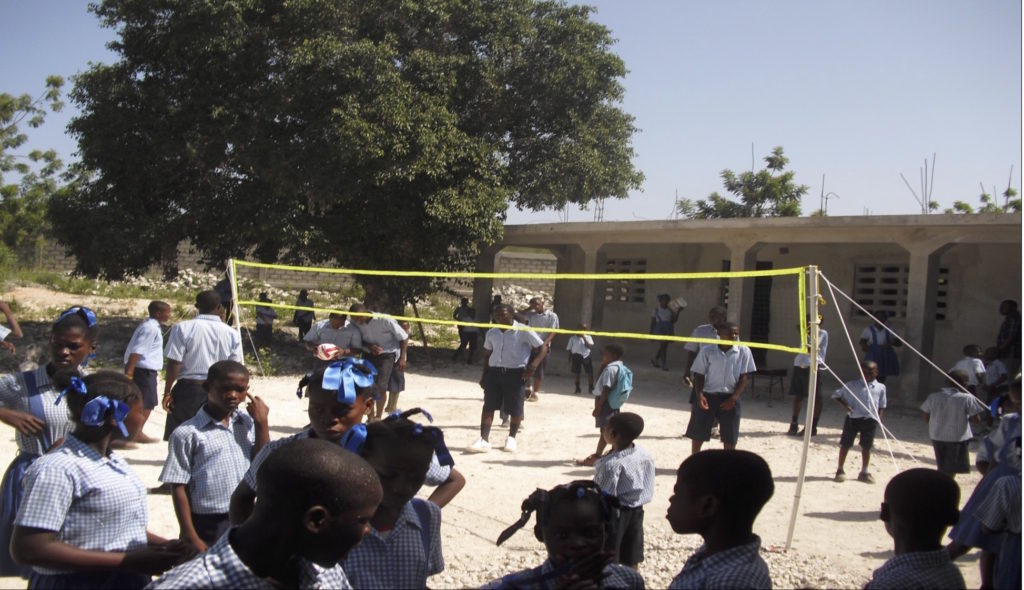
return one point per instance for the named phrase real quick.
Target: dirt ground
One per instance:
(838, 539)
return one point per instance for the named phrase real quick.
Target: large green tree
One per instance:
(770, 192)
(391, 134)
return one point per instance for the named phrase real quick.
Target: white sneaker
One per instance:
(480, 446)
(510, 444)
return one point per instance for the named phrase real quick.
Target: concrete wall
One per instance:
(529, 263)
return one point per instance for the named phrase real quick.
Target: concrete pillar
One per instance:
(742, 256)
(482, 288)
(574, 299)
(917, 378)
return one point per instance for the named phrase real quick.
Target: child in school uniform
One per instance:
(209, 453)
(27, 404)
(864, 402)
(997, 376)
(920, 504)
(949, 413)
(663, 321)
(1000, 514)
(315, 500)
(718, 495)
(611, 366)
(144, 359)
(720, 376)
(579, 358)
(573, 521)
(82, 520)
(973, 366)
(403, 547)
(396, 383)
(627, 472)
(14, 331)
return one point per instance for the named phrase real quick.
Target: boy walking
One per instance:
(863, 400)
(720, 375)
(579, 358)
(144, 358)
(627, 472)
(948, 413)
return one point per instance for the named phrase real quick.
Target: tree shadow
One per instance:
(846, 515)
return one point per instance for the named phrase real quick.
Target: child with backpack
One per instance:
(610, 392)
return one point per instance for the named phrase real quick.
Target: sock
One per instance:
(485, 432)
(513, 429)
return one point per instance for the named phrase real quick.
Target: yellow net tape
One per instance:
(799, 272)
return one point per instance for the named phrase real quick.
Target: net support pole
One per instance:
(813, 323)
(232, 280)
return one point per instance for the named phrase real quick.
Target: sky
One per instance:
(857, 92)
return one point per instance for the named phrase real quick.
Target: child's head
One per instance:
(160, 311)
(336, 320)
(622, 429)
(319, 496)
(716, 315)
(102, 403)
(503, 313)
(581, 326)
(338, 395)
(264, 297)
(464, 302)
(73, 338)
(960, 377)
(573, 520)
(612, 352)
(303, 293)
(208, 303)
(728, 331)
(991, 354)
(1008, 306)
(972, 350)
(870, 370)
(359, 320)
(663, 299)
(919, 505)
(718, 488)
(226, 386)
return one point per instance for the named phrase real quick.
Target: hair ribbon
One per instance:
(77, 385)
(444, 456)
(355, 439)
(347, 374)
(95, 411)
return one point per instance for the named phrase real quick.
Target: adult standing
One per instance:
(720, 375)
(304, 318)
(1008, 339)
(144, 359)
(192, 347)
(538, 317)
(511, 356)
(879, 345)
(385, 344)
(469, 336)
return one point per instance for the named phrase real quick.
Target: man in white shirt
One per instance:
(538, 317)
(144, 359)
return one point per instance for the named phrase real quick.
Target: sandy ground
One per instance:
(838, 540)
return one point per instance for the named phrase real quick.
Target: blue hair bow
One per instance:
(444, 456)
(77, 385)
(87, 314)
(95, 411)
(347, 374)
(354, 439)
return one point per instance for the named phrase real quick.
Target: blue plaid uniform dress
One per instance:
(739, 567)
(627, 474)
(220, 567)
(918, 569)
(618, 577)
(14, 396)
(400, 559)
(92, 502)
(211, 458)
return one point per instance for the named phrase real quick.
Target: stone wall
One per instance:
(526, 262)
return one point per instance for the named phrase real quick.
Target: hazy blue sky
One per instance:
(858, 91)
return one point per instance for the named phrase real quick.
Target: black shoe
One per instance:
(792, 430)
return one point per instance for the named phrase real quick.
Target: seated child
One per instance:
(999, 513)
(627, 472)
(948, 413)
(920, 504)
(718, 494)
(973, 366)
(82, 520)
(403, 547)
(579, 358)
(574, 522)
(209, 453)
(864, 401)
(315, 500)
(611, 366)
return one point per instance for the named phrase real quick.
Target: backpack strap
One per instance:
(35, 404)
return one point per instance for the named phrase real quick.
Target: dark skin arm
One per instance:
(447, 491)
(170, 376)
(183, 510)
(698, 384)
(541, 352)
(40, 547)
(260, 413)
(242, 500)
(23, 422)
(741, 385)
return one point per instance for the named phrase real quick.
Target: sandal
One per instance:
(588, 462)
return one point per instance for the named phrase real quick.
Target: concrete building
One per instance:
(941, 276)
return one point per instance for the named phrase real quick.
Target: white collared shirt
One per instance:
(510, 348)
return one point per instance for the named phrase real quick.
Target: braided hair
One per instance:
(543, 502)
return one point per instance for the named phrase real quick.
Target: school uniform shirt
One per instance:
(722, 369)
(398, 558)
(14, 396)
(347, 336)
(147, 342)
(739, 567)
(210, 458)
(1009, 429)
(865, 401)
(609, 375)
(92, 502)
(580, 345)
(804, 360)
(385, 332)
(265, 316)
(880, 336)
(972, 367)
(616, 576)
(1001, 508)
(995, 371)
(949, 410)
(662, 314)
(465, 314)
(510, 348)
(4, 332)
(917, 569)
(220, 567)
(548, 319)
(199, 343)
(701, 331)
(627, 474)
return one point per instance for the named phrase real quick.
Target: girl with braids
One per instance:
(27, 405)
(573, 522)
(82, 520)
(403, 547)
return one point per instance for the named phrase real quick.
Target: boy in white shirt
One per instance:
(579, 358)
(972, 365)
(864, 400)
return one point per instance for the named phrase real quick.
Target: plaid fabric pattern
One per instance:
(437, 474)
(949, 410)
(220, 567)
(627, 474)
(14, 396)
(616, 577)
(739, 567)
(399, 559)
(211, 458)
(199, 343)
(1001, 508)
(919, 569)
(92, 502)
(254, 467)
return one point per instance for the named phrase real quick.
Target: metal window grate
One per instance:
(622, 290)
(883, 287)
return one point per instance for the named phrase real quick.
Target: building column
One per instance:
(742, 256)
(483, 288)
(574, 299)
(916, 376)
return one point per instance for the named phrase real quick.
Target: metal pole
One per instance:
(234, 297)
(812, 384)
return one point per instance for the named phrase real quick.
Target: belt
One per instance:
(717, 393)
(506, 369)
(191, 381)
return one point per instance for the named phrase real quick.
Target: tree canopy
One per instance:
(1011, 203)
(390, 134)
(766, 193)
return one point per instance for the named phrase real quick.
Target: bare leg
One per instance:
(695, 446)
(486, 418)
(842, 458)
(141, 436)
(729, 446)
(600, 446)
(865, 458)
